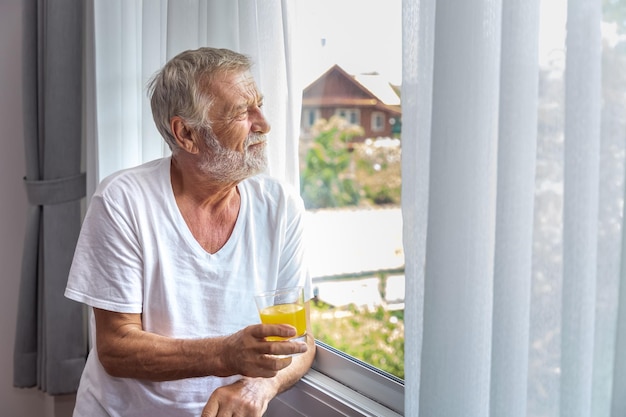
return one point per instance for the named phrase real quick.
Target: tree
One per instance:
(326, 180)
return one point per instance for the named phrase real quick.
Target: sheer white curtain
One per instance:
(132, 39)
(512, 205)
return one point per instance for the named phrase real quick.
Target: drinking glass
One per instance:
(283, 306)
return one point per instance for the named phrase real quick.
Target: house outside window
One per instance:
(354, 98)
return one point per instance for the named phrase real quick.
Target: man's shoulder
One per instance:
(264, 190)
(137, 176)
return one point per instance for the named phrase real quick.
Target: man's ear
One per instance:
(184, 136)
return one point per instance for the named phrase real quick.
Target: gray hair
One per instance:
(179, 88)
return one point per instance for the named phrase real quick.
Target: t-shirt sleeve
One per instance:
(293, 267)
(106, 271)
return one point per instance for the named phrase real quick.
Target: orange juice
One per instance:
(292, 314)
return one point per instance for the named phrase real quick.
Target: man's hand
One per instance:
(248, 353)
(247, 397)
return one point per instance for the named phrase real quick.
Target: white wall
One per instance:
(14, 402)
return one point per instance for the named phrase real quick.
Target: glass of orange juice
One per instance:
(283, 306)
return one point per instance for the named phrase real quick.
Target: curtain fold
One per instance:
(50, 349)
(517, 151)
(418, 39)
(580, 211)
(618, 374)
(458, 287)
(120, 138)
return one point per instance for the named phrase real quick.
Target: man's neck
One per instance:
(209, 208)
(196, 188)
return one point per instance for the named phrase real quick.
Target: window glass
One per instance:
(378, 121)
(309, 117)
(352, 116)
(350, 175)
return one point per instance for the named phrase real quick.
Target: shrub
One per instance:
(373, 337)
(325, 180)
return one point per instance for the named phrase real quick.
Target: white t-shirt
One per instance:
(135, 254)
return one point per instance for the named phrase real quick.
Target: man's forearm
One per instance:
(127, 351)
(156, 358)
(289, 376)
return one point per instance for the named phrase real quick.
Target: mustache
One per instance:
(254, 138)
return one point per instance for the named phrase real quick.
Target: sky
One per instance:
(359, 35)
(366, 36)
(552, 20)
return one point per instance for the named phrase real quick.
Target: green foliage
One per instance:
(336, 172)
(379, 170)
(383, 195)
(373, 337)
(326, 179)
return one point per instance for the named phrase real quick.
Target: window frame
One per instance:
(360, 376)
(339, 385)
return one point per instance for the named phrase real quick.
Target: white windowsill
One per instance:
(320, 392)
(318, 395)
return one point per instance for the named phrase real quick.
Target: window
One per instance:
(544, 355)
(352, 116)
(378, 121)
(352, 194)
(309, 117)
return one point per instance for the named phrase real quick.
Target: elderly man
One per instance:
(172, 252)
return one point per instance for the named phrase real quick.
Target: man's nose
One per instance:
(260, 123)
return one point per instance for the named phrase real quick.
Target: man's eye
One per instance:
(241, 115)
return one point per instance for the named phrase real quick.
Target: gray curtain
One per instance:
(50, 344)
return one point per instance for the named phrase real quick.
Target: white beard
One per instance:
(227, 165)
